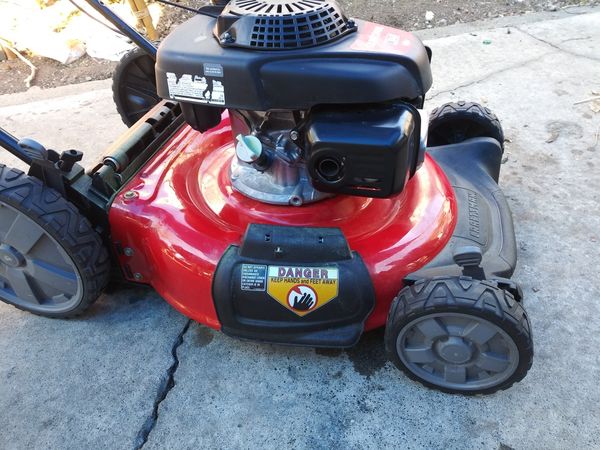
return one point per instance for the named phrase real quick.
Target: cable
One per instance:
(96, 19)
(176, 5)
(207, 10)
(211, 11)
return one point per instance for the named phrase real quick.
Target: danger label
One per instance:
(302, 290)
(197, 89)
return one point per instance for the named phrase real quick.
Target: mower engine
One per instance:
(319, 104)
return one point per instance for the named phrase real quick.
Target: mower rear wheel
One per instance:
(456, 122)
(459, 335)
(134, 86)
(52, 262)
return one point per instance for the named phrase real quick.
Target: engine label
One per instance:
(302, 290)
(213, 70)
(196, 88)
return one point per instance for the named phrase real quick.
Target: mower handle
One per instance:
(11, 143)
(124, 28)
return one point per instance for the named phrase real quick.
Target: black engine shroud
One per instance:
(191, 63)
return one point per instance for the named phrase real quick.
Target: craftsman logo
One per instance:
(474, 223)
(302, 290)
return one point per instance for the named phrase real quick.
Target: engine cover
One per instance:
(372, 65)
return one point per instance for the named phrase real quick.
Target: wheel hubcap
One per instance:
(457, 351)
(35, 271)
(454, 350)
(10, 256)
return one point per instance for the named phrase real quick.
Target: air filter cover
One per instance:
(281, 24)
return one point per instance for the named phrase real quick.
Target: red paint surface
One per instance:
(186, 214)
(379, 38)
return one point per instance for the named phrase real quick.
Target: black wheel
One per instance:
(452, 123)
(134, 86)
(52, 262)
(459, 335)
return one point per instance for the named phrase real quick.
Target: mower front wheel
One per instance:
(52, 262)
(456, 122)
(459, 335)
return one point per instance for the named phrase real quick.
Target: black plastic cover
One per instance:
(192, 67)
(484, 219)
(280, 24)
(370, 151)
(247, 310)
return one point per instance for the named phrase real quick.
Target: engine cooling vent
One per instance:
(281, 24)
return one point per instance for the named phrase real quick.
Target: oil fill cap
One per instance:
(248, 148)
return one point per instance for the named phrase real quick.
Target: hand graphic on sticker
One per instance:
(302, 298)
(303, 303)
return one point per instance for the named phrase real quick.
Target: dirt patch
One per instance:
(412, 15)
(400, 14)
(51, 73)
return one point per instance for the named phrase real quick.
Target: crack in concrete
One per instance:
(489, 76)
(558, 47)
(165, 387)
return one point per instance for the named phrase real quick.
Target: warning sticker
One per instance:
(303, 290)
(213, 70)
(197, 89)
(254, 277)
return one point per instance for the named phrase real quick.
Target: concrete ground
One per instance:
(103, 380)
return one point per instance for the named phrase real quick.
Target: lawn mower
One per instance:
(281, 182)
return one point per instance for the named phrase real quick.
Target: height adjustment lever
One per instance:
(469, 258)
(54, 170)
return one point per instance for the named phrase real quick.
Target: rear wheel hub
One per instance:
(10, 256)
(454, 350)
(35, 271)
(457, 351)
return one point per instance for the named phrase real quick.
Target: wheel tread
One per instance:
(480, 114)
(464, 294)
(120, 71)
(64, 222)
